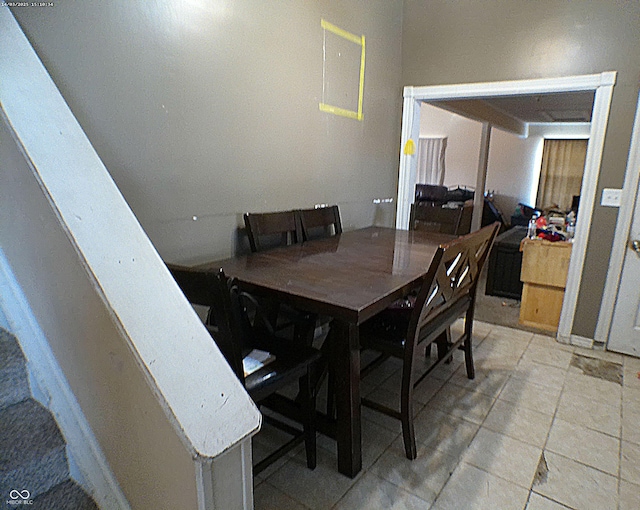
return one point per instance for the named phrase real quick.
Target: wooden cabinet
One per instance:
(544, 273)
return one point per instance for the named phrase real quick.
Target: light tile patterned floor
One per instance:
(531, 431)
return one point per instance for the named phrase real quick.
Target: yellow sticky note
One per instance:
(410, 147)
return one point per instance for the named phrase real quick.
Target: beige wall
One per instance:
(513, 167)
(210, 109)
(463, 143)
(469, 41)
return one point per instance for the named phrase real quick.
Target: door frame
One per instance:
(630, 194)
(602, 84)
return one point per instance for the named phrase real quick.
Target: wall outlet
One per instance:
(611, 197)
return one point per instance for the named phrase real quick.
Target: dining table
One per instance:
(349, 277)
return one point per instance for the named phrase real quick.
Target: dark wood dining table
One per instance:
(349, 277)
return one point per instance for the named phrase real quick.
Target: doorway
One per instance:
(602, 86)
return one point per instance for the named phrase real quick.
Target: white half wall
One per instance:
(156, 392)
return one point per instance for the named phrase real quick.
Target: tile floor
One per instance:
(531, 431)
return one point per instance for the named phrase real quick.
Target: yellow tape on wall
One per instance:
(360, 41)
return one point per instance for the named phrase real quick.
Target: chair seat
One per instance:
(291, 362)
(386, 330)
(302, 324)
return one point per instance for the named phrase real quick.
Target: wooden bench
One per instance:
(447, 293)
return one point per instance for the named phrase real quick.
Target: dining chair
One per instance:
(435, 218)
(317, 223)
(320, 222)
(272, 229)
(237, 331)
(447, 292)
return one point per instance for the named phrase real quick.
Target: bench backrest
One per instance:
(450, 284)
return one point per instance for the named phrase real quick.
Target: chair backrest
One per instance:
(215, 290)
(269, 230)
(451, 281)
(464, 221)
(431, 193)
(320, 222)
(445, 220)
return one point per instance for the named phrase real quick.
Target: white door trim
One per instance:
(408, 162)
(599, 120)
(623, 227)
(601, 83)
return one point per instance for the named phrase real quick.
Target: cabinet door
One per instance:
(541, 306)
(545, 263)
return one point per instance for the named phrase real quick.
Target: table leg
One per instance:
(345, 359)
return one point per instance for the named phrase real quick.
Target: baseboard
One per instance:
(87, 463)
(581, 341)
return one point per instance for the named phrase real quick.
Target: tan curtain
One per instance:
(561, 173)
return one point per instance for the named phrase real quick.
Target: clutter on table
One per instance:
(552, 226)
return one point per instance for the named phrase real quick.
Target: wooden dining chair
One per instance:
(237, 332)
(272, 229)
(448, 292)
(435, 218)
(320, 222)
(315, 224)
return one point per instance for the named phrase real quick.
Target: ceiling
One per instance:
(566, 107)
(515, 112)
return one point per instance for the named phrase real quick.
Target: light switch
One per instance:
(611, 197)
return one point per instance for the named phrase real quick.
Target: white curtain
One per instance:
(431, 161)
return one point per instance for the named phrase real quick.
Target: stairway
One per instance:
(33, 460)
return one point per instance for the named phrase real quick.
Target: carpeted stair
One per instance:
(33, 459)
